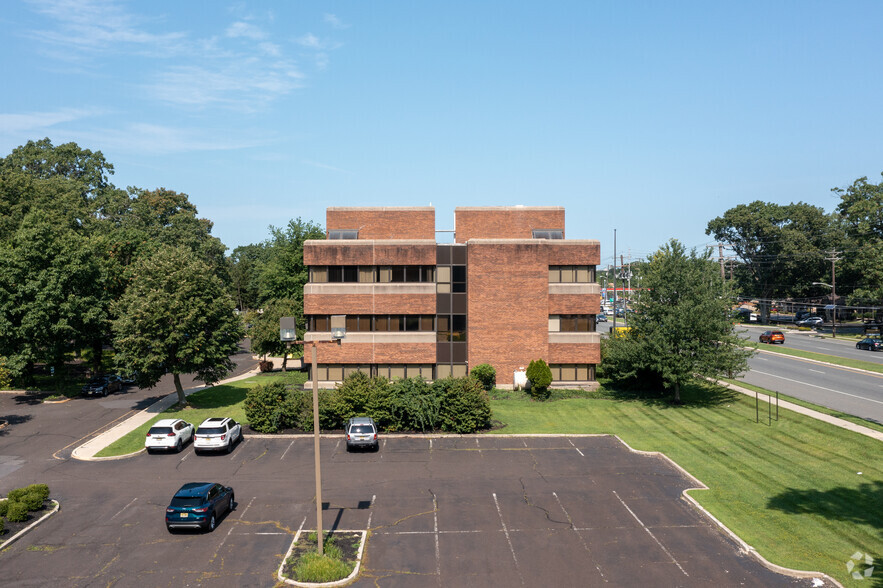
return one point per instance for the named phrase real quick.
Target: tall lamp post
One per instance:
(288, 334)
(833, 306)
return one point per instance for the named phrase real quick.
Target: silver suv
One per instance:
(217, 434)
(361, 432)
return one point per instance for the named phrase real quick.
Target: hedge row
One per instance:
(457, 405)
(21, 501)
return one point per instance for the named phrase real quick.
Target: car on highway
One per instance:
(871, 344)
(812, 321)
(217, 434)
(168, 434)
(199, 505)
(772, 337)
(361, 432)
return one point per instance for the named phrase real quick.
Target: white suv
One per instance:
(168, 434)
(217, 434)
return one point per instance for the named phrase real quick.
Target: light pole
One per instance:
(288, 334)
(833, 307)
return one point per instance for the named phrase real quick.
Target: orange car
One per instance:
(772, 337)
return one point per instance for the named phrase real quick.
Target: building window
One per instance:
(318, 274)
(568, 274)
(364, 323)
(571, 323)
(548, 233)
(570, 372)
(343, 234)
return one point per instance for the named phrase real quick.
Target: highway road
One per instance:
(850, 391)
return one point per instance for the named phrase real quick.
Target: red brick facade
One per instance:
(508, 299)
(384, 223)
(508, 222)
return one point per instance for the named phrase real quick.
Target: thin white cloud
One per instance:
(325, 166)
(335, 22)
(247, 30)
(154, 139)
(36, 123)
(309, 40)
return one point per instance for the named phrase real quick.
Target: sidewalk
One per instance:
(837, 422)
(87, 450)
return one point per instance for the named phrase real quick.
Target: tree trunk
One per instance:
(182, 400)
(677, 393)
(285, 361)
(97, 350)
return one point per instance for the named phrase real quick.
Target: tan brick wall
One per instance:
(358, 252)
(574, 304)
(369, 304)
(505, 222)
(573, 353)
(368, 353)
(384, 222)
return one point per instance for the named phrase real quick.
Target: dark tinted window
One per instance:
(212, 431)
(160, 430)
(343, 234)
(186, 501)
(361, 429)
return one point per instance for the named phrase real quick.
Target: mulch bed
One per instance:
(11, 528)
(348, 543)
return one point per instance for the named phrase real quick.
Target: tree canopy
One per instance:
(176, 317)
(682, 325)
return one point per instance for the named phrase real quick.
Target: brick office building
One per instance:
(510, 289)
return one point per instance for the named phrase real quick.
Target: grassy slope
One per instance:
(791, 490)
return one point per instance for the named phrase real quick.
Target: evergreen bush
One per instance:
(32, 501)
(486, 374)
(465, 406)
(271, 407)
(17, 512)
(41, 489)
(540, 377)
(4, 506)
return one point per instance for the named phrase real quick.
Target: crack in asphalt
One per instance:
(527, 501)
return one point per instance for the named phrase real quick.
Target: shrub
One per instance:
(5, 375)
(41, 489)
(271, 407)
(32, 501)
(4, 506)
(486, 374)
(540, 377)
(16, 494)
(17, 512)
(465, 407)
(265, 365)
(414, 405)
(2, 523)
(348, 399)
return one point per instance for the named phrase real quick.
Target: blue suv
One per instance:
(198, 505)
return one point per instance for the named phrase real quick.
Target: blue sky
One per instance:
(648, 117)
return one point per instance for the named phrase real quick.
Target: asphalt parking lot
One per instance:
(455, 511)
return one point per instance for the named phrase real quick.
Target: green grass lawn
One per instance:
(226, 401)
(792, 490)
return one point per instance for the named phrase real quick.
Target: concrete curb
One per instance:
(342, 582)
(15, 537)
(743, 546)
(87, 451)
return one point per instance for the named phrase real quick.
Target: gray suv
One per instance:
(361, 432)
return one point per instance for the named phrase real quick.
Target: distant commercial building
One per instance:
(510, 289)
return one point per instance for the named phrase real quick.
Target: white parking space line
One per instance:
(233, 526)
(819, 387)
(124, 508)
(760, 358)
(525, 442)
(816, 371)
(572, 526)
(649, 532)
(435, 529)
(578, 451)
(287, 448)
(508, 539)
(337, 445)
(478, 445)
(371, 514)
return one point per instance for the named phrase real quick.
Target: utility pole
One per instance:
(720, 252)
(833, 259)
(614, 283)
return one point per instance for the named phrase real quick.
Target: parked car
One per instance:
(128, 379)
(871, 344)
(361, 432)
(216, 434)
(601, 318)
(772, 337)
(199, 505)
(812, 321)
(101, 386)
(168, 434)
(802, 314)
